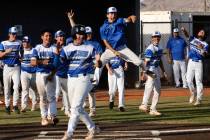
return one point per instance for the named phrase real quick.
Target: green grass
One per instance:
(176, 110)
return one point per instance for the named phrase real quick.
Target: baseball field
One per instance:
(180, 120)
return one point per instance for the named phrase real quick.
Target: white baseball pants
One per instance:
(177, 66)
(152, 84)
(127, 54)
(46, 90)
(116, 81)
(195, 69)
(11, 74)
(78, 89)
(27, 82)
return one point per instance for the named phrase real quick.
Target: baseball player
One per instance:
(61, 73)
(177, 48)
(113, 35)
(28, 75)
(79, 56)
(10, 53)
(95, 73)
(197, 51)
(116, 67)
(46, 58)
(153, 55)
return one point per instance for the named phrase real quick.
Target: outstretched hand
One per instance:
(70, 14)
(133, 18)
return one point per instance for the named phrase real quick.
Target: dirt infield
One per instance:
(138, 93)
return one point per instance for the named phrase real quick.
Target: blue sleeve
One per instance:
(169, 44)
(1, 47)
(62, 55)
(103, 36)
(191, 38)
(35, 53)
(206, 48)
(121, 21)
(99, 48)
(56, 61)
(148, 53)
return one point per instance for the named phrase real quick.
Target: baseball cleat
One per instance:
(155, 113)
(16, 110)
(143, 108)
(66, 137)
(92, 113)
(44, 122)
(91, 134)
(122, 109)
(23, 110)
(111, 105)
(7, 110)
(192, 98)
(197, 103)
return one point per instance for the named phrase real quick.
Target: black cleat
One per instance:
(55, 121)
(111, 105)
(16, 110)
(7, 110)
(122, 109)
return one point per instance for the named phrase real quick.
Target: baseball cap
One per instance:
(156, 33)
(13, 30)
(111, 10)
(59, 33)
(26, 39)
(176, 30)
(88, 30)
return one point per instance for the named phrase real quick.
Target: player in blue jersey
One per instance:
(116, 67)
(177, 55)
(10, 53)
(46, 59)
(28, 75)
(153, 54)
(79, 57)
(113, 35)
(61, 74)
(197, 51)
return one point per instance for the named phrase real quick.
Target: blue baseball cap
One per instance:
(156, 33)
(59, 33)
(88, 30)
(13, 30)
(26, 39)
(112, 10)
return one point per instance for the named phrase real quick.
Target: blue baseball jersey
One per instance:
(79, 58)
(195, 53)
(153, 55)
(116, 62)
(97, 46)
(177, 47)
(26, 61)
(114, 33)
(13, 57)
(62, 69)
(42, 53)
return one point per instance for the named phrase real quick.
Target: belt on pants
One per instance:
(196, 60)
(14, 65)
(78, 75)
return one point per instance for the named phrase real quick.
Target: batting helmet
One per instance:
(77, 29)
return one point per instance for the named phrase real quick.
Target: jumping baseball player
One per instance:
(61, 73)
(79, 57)
(113, 35)
(177, 49)
(116, 67)
(197, 51)
(46, 58)
(153, 55)
(28, 75)
(10, 53)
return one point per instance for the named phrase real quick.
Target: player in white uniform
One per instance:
(61, 73)
(153, 55)
(46, 57)
(116, 67)
(10, 53)
(197, 51)
(28, 75)
(79, 56)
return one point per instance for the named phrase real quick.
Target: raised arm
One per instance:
(131, 18)
(185, 32)
(71, 18)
